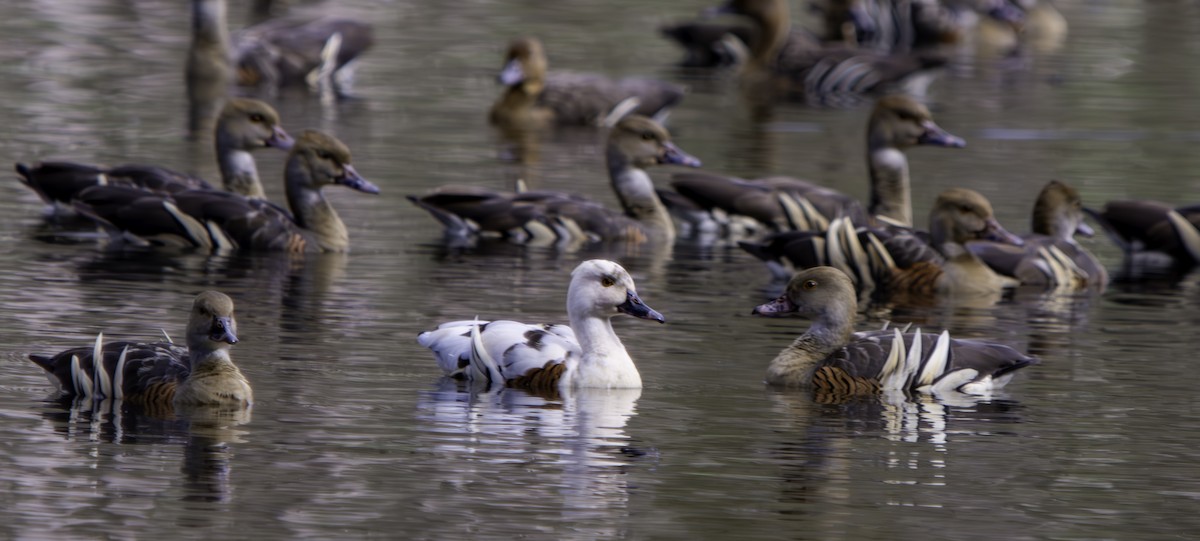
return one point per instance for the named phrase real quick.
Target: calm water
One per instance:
(354, 434)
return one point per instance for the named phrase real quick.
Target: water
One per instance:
(354, 435)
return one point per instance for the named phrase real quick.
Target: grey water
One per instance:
(355, 435)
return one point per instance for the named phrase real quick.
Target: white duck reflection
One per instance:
(574, 444)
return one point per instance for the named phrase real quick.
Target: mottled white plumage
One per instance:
(550, 357)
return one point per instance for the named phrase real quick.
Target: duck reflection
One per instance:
(206, 433)
(573, 443)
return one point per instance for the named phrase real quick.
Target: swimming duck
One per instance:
(534, 98)
(213, 219)
(550, 358)
(1152, 227)
(830, 356)
(710, 45)
(1050, 255)
(634, 143)
(161, 374)
(783, 203)
(826, 75)
(244, 125)
(900, 260)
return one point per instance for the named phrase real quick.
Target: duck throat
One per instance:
(604, 362)
(239, 173)
(891, 195)
(635, 190)
(313, 212)
(832, 330)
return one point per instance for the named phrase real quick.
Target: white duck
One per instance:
(550, 358)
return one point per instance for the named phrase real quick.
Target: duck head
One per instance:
(603, 289)
(211, 325)
(327, 161)
(960, 215)
(1058, 212)
(813, 293)
(901, 122)
(644, 142)
(524, 65)
(251, 124)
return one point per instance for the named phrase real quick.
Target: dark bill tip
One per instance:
(222, 331)
(351, 179)
(935, 136)
(634, 306)
(675, 155)
(777, 307)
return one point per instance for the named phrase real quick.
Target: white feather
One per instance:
(939, 358)
(1188, 235)
(103, 383)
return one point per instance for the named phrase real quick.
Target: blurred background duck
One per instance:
(218, 220)
(244, 125)
(539, 216)
(1050, 257)
(833, 75)
(550, 358)
(288, 51)
(535, 98)
(898, 262)
(1152, 231)
(830, 357)
(160, 375)
(783, 203)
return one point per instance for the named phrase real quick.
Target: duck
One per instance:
(550, 358)
(1050, 256)
(710, 44)
(274, 54)
(901, 261)
(160, 374)
(218, 220)
(533, 98)
(781, 203)
(826, 75)
(243, 126)
(831, 357)
(1152, 228)
(636, 142)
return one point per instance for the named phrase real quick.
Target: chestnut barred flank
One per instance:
(540, 380)
(836, 381)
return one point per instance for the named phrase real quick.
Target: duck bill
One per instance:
(351, 179)
(935, 136)
(280, 139)
(511, 74)
(634, 306)
(1085, 230)
(777, 307)
(222, 331)
(674, 155)
(996, 233)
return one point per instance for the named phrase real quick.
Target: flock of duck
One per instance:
(834, 248)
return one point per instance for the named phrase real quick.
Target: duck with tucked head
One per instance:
(830, 356)
(533, 98)
(636, 142)
(902, 261)
(897, 124)
(160, 374)
(550, 358)
(244, 126)
(1152, 231)
(1050, 256)
(822, 75)
(212, 219)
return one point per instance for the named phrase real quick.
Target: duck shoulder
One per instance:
(148, 376)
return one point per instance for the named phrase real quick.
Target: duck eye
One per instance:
(256, 118)
(809, 284)
(322, 154)
(648, 136)
(607, 281)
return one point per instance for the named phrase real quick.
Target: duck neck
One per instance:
(239, 173)
(831, 331)
(773, 29)
(604, 362)
(1053, 223)
(891, 195)
(636, 192)
(313, 212)
(209, 30)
